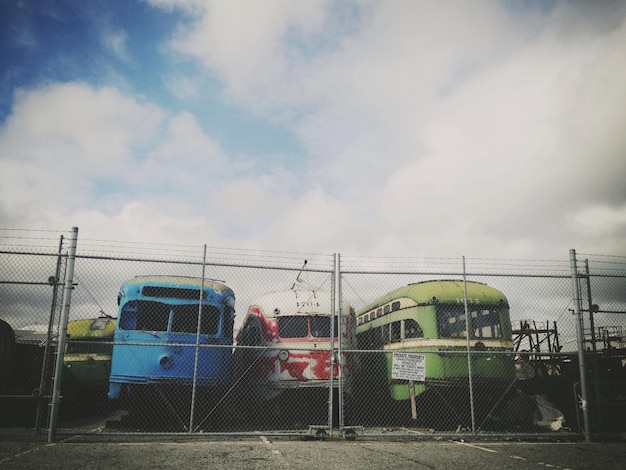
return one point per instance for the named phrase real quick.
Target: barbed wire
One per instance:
(30, 240)
(195, 253)
(603, 256)
(487, 265)
(6, 229)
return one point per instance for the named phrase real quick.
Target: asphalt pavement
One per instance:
(22, 449)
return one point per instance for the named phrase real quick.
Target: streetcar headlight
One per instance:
(166, 362)
(283, 355)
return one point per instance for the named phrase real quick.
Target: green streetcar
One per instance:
(429, 318)
(88, 352)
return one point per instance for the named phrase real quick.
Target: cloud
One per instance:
(70, 147)
(145, 222)
(97, 127)
(248, 46)
(449, 128)
(95, 158)
(117, 42)
(183, 164)
(183, 87)
(495, 139)
(519, 148)
(62, 140)
(359, 82)
(71, 151)
(601, 226)
(316, 222)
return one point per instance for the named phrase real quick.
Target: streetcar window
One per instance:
(379, 312)
(451, 321)
(185, 319)
(89, 347)
(229, 322)
(153, 316)
(387, 309)
(396, 328)
(370, 339)
(385, 333)
(293, 327)
(395, 306)
(98, 324)
(145, 315)
(486, 324)
(172, 292)
(412, 329)
(320, 327)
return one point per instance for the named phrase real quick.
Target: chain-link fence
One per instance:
(182, 339)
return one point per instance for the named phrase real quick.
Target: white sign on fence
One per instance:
(408, 366)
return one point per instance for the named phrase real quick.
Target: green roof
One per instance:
(441, 291)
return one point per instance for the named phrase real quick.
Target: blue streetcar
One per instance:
(171, 331)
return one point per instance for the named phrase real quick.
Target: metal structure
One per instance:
(537, 338)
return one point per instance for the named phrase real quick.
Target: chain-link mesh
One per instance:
(602, 287)
(189, 339)
(32, 271)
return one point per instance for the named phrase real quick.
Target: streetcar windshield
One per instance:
(451, 321)
(144, 315)
(299, 326)
(486, 323)
(293, 327)
(147, 315)
(185, 319)
(320, 327)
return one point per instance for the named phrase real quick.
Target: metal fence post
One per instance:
(69, 280)
(340, 314)
(594, 350)
(469, 349)
(333, 311)
(48, 347)
(581, 343)
(194, 386)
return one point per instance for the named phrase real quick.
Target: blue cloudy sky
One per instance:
(364, 127)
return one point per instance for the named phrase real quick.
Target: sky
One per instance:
(487, 128)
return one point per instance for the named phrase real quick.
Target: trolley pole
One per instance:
(581, 344)
(69, 280)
